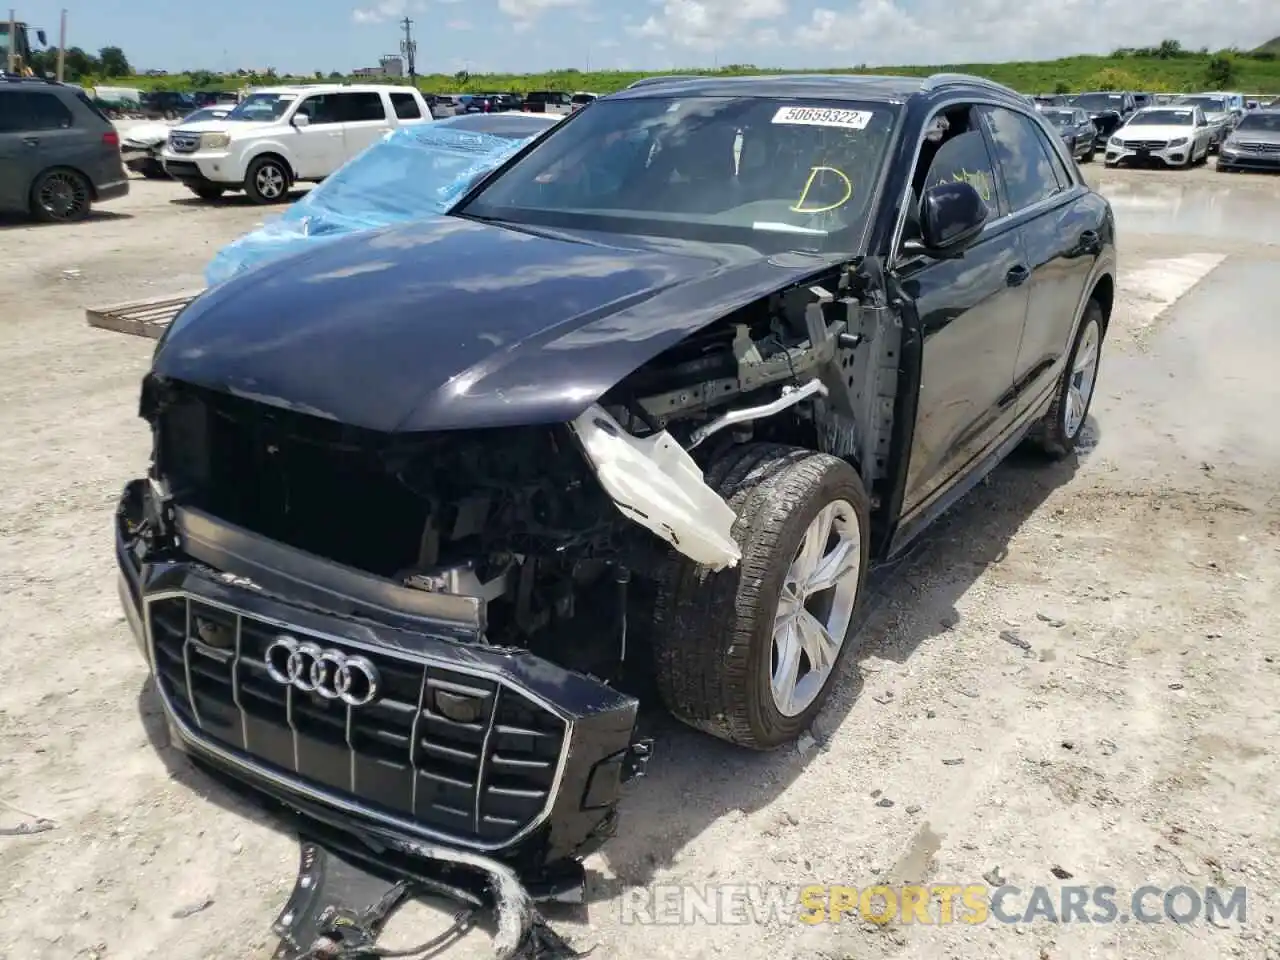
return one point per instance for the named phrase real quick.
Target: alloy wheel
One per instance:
(1084, 373)
(63, 196)
(815, 608)
(270, 181)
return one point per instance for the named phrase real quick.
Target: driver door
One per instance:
(971, 313)
(319, 147)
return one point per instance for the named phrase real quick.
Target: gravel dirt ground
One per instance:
(1074, 682)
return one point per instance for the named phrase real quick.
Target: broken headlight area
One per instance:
(407, 631)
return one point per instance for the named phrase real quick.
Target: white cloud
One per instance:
(524, 12)
(706, 24)
(459, 24)
(380, 12)
(878, 32)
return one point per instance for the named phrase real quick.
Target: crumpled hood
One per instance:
(451, 324)
(147, 134)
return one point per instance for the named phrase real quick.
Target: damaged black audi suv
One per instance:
(662, 387)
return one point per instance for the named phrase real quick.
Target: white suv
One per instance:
(278, 136)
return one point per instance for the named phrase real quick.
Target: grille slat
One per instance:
(463, 755)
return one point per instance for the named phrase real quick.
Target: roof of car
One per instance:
(333, 88)
(815, 86)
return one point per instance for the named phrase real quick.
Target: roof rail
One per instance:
(940, 80)
(654, 81)
(23, 78)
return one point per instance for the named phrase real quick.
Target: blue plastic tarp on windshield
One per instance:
(413, 172)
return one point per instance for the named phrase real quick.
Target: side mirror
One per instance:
(301, 120)
(952, 216)
(40, 35)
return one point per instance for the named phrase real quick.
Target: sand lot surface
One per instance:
(1076, 682)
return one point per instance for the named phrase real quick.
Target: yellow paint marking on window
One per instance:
(808, 185)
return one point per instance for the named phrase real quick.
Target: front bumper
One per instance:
(1171, 154)
(1243, 158)
(202, 169)
(467, 746)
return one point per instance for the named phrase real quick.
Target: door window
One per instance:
(48, 112)
(1023, 157)
(322, 108)
(358, 107)
(965, 158)
(406, 106)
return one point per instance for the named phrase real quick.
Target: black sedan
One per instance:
(1075, 128)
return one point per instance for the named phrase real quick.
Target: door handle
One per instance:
(1017, 275)
(31, 141)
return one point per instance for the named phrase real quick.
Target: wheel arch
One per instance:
(272, 153)
(1104, 292)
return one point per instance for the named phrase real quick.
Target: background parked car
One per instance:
(280, 136)
(581, 99)
(167, 104)
(1254, 144)
(1217, 111)
(1107, 109)
(1177, 136)
(141, 147)
(58, 153)
(1076, 129)
(548, 101)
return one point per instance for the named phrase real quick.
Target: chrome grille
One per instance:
(1146, 144)
(1260, 147)
(485, 779)
(184, 142)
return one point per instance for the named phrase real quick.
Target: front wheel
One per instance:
(1090, 154)
(266, 180)
(1059, 430)
(751, 653)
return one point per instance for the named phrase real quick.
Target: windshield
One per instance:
(1207, 104)
(1059, 118)
(764, 172)
(208, 113)
(1099, 101)
(1163, 118)
(262, 107)
(1269, 122)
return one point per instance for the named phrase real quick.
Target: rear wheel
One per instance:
(751, 653)
(1059, 430)
(61, 196)
(267, 180)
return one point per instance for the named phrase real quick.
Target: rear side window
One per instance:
(48, 112)
(23, 111)
(1023, 156)
(354, 107)
(406, 106)
(91, 106)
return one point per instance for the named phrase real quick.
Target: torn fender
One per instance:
(655, 482)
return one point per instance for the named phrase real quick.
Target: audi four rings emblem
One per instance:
(331, 674)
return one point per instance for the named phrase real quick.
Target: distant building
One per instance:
(390, 66)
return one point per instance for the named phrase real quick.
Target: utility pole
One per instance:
(62, 48)
(12, 65)
(409, 50)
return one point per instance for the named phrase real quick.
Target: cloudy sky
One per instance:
(529, 35)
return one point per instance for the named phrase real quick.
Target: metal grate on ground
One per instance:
(142, 318)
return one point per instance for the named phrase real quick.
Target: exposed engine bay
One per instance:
(544, 524)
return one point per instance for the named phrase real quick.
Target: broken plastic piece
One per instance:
(655, 482)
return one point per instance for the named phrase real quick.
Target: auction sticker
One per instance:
(824, 117)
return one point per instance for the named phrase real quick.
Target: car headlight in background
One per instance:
(1178, 142)
(214, 141)
(1115, 142)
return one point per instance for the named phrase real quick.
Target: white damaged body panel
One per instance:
(655, 482)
